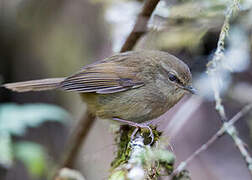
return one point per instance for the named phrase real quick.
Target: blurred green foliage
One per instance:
(33, 156)
(6, 155)
(14, 120)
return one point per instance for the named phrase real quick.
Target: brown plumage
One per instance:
(136, 86)
(34, 85)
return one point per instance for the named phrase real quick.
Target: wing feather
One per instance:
(103, 78)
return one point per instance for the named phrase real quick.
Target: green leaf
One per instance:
(6, 155)
(14, 119)
(33, 156)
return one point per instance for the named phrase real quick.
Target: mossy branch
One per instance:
(214, 67)
(137, 159)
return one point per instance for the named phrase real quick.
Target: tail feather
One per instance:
(34, 85)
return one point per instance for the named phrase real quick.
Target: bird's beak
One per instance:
(190, 89)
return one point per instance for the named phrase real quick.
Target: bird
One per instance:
(133, 87)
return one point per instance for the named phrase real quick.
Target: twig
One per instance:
(227, 126)
(81, 131)
(140, 26)
(214, 69)
(74, 144)
(214, 66)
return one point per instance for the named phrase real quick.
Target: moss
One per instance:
(168, 167)
(166, 160)
(183, 175)
(155, 160)
(118, 175)
(146, 134)
(122, 139)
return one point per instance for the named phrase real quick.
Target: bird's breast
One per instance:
(137, 105)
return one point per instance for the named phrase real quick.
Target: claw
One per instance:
(151, 132)
(134, 133)
(143, 125)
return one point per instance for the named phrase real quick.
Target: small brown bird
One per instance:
(133, 87)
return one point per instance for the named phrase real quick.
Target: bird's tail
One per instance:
(35, 85)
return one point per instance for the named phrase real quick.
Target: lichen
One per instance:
(123, 138)
(152, 160)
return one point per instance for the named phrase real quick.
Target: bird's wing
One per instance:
(103, 78)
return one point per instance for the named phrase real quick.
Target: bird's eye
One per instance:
(172, 77)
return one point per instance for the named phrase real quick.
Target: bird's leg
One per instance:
(137, 125)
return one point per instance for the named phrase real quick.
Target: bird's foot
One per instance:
(138, 125)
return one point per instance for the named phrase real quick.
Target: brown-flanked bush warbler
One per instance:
(132, 87)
